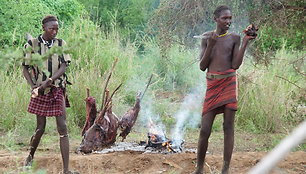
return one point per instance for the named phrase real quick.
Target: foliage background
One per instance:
(155, 37)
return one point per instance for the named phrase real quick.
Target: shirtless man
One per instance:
(221, 54)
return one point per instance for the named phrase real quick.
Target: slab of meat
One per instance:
(129, 118)
(103, 132)
(91, 113)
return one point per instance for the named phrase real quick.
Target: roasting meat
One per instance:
(129, 118)
(101, 134)
(251, 30)
(91, 113)
(103, 131)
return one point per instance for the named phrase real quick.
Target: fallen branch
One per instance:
(288, 81)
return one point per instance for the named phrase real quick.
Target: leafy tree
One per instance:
(126, 16)
(281, 22)
(177, 21)
(20, 16)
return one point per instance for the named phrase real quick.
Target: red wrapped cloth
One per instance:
(221, 91)
(50, 104)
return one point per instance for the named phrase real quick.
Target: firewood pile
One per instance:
(161, 143)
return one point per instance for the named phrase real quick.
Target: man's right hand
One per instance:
(34, 86)
(45, 84)
(211, 41)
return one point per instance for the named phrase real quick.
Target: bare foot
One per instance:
(71, 172)
(225, 170)
(197, 172)
(28, 162)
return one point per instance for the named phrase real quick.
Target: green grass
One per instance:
(270, 97)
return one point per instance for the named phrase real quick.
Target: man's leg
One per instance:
(64, 140)
(35, 139)
(206, 125)
(228, 128)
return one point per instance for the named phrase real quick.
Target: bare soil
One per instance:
(131, 162)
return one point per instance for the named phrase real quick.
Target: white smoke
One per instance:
(189, 114)
(149, 118)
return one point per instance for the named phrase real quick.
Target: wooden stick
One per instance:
(103, 110)
(287, 81)
(149, 82)
(281, 150)
(28, 37)
(107, 81)
(87, 92)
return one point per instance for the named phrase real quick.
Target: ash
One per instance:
(136, 147)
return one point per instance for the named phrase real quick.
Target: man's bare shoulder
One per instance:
(235, 37)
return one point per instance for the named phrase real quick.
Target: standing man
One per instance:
(48, 83)
(221, 54)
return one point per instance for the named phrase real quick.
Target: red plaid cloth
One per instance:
(220, 93)
(50, 104)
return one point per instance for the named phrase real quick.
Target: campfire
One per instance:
(157, 140)
(160, 142)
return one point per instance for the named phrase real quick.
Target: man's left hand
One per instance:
(47, 83)
(247, 37)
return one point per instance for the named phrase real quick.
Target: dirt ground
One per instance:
(131, 162)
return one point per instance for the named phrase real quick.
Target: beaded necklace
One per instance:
(222, 35)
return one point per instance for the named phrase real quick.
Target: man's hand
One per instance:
(250, 32)
(211, 41)
(34, 86)
(47, 83)
(246, 38)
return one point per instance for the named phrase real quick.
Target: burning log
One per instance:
(91, 112)
(158, 140)
(129, 118)
(162, 142)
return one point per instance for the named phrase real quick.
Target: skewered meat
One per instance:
(102, 133)
(91, 112)
(129, 118)
(251, 30)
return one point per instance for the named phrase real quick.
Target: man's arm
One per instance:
(55, 76)
(239, 53)
(27, 76)
(207, 46)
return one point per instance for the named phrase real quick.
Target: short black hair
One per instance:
(219, 9)
(48, 19)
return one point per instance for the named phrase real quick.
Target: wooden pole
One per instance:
(281, 150)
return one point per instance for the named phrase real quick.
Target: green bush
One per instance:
(20, 17)
(93, 50)
(270, 95)
(272, 38)
(127, 16)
